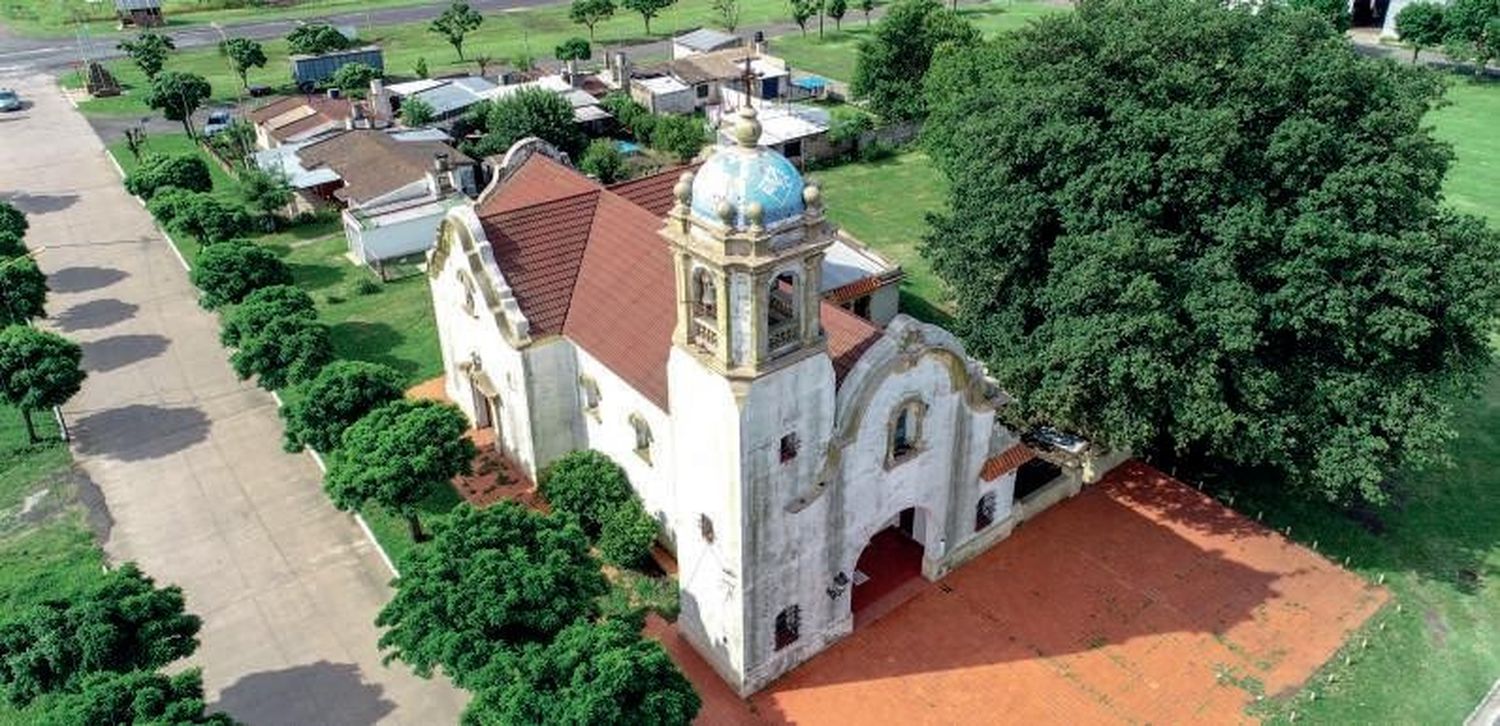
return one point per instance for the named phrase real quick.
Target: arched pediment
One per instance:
(461, 237)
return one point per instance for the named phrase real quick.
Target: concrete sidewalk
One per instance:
(189, 459)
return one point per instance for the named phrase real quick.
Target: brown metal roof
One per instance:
(1006, 462)
(653, 192)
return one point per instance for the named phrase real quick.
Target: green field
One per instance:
(46, 548)
(62, 17)
(833, 55)
(1469, 123)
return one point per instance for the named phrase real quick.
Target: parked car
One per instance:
(217, 121)
(9, 100)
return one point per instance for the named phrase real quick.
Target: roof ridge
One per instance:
(583, 256)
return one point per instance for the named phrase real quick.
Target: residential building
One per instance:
(139, 13)
(448, 97)
(695, 82)
(799, 458)
(293, 119)
(703, 40)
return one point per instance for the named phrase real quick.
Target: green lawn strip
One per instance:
(884, 204)
(46, 549)
(1469, 124)
(62, 17)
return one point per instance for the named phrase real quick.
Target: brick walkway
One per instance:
(1139, 601)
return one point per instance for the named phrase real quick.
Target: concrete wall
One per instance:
(608, 429)
(386, 241)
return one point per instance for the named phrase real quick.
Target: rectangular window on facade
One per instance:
(984, 512)
(788, 626)
(789, 446)
(702, 90)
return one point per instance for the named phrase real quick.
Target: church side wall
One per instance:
(609, 431)
(551, 378)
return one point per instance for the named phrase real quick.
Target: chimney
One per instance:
(380, 102)
(441, 176)
(620, 70)
(759, 44)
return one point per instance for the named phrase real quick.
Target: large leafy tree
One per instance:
(647, 8)
(177, 95)
(1173, 225)
(604, 673)
(12, 220)
(228, 271)
(397, 455)
(148, 51)
(244, 54)
(456, 22)
(157, 171)
(123, 624)
(891, 64)
(23, 291)
(11, 245)
(802, 11)
(354, 78)
(283, 352)
(490, 581)
(681, 136)
(206, 217)
(588, 485)
(38, 370)
(262, 308)
(531, 112)
(1472, 31)
(343, 392)
(589, 13)
(267, 192)
(138, 697)
(316, 39)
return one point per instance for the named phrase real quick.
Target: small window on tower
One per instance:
(788, 626)
(789, 446)
(984, 512)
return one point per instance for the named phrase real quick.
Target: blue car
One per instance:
(9, 101)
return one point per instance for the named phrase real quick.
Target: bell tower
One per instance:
(752, 391)
(748, 239)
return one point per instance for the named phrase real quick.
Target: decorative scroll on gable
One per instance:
(462, 232)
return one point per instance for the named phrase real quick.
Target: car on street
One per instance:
(9, 100)
(217, 121)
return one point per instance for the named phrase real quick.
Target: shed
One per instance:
(139, 13)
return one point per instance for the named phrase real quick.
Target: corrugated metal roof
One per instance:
(706, 39)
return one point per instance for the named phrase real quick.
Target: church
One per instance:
(800, 458)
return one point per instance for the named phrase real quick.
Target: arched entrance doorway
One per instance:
(486, 408)
(889, 569)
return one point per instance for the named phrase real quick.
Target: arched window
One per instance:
(788, 626)
(905, 430)
(783, 314)
(984, 512)
(642, 436)
(589, 390)
(705, 296)
(467, 283)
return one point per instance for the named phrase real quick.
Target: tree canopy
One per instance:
(605, 673)
(11, 245)
(177, 95)
(206, 217)
(262, 308)
(489, 581)
(354, 78)
(457, 21)
(397, 455)
(588, 485)
(1420, 25)
(282, 352)
(647, 8)
(148, 51)
(13, 220)
(416, 112)
(891, 64)
(123, 624)
(602, 161)
(229, 271)
(138, 697)
(316, 39)
(1472, 32)
(531, 112)
(681, 136)
(1181, 227)
(23, 291)
(573, 49)
(589, 13)
(244, 54)
(183, 171)
(38, 370)
(342, 393)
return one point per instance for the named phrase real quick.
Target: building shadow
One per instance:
(95, 314)
(140, 432)
(83, 279)
(324, 693)
(42, 203)
(118, 351)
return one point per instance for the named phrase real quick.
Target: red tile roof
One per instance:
(857, 289)
(588, 263)
(1006, 462)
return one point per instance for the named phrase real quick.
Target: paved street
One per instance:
(189, 459)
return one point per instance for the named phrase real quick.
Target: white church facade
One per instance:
(777, 437)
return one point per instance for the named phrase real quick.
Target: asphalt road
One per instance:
(17, 53)
(188, 458)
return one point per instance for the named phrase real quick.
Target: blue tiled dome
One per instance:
(747, 174)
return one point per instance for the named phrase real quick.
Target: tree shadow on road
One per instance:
(95, 314)
(42, 203)
(140, 432)
(119, 351)
(333, 694)
(83, 279)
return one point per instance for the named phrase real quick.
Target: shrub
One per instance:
(627, 535)
(263, 307)
(366, 286)
(354, 78)
(229, 271)
(681, 136)
(586, 485)
(209, 219)
(11, 245)
(184, 171)
(602, 161)
(12, 220)
(167, 203)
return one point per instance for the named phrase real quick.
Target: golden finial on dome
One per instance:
(747, 128)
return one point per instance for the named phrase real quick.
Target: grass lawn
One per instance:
(46, 549)
(833, 55)
(61, 17)
(1469, 124)
(884, 204)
